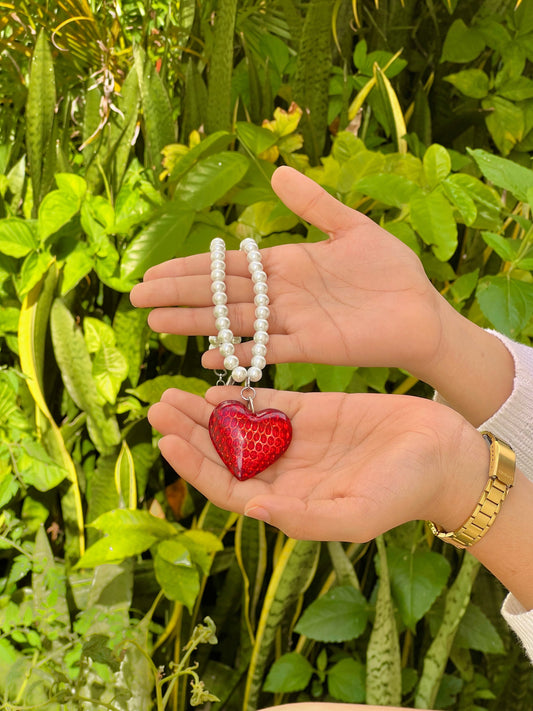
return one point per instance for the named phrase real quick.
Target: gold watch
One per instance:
(501, 479)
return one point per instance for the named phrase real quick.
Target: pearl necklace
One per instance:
(225, 340)
(246, 441)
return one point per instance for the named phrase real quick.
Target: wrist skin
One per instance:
(507, 547)
(471, 368)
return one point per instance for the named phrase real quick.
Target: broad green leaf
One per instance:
(174, 552)
(463, 287)
(72, 183)
(97, 220)
(517, 89)
(97, 333)
(151, 390)
(338, 616)
(504, 173)
(477, 632)
(159, 241)
(125, 521)
(37, 468)
(432, 217)
(78, 263)
(33, 269)
(504, 247)
(291, 672)
(486, 200)
(17, 237)
(116, 547)
(417, 579)
(210, 179)
(200, 545)
(460, 199)
(505, 121)
(49, 588)
(363, 163)
(256, 138)
(383, 663)
(346, 681)
(333, 378)
(110, 369)
(179, 582)
(471, 82)
(265, 217)
(214, 143)
(387, 188)
(131, 331)
(506, 302)
(462, 43)
(405, 233)
(437, 164)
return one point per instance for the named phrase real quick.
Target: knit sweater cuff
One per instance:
(512, 421)
(520, 621)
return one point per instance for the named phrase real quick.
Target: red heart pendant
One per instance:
(248, 442)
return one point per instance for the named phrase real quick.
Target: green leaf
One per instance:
(291, 672)
(214, 143)
(486, 200)
(124, 521)
(17, 237)
(517, 89)
(417, 579)
(437, 164)
(110, 369)
(505, 121)
(462, 43)
(115, 548)
(506, 302)
(464, 285)
(333, 378)
(346, 681)
(470, 82)
(389, 189)
(460, 199)
(256, 138)
(180, 582)
(477, 632)
(151, 390)
(504, 247)
(33, 269)
(200, 545)
(210, 179)
(78, 263)
(40, 116)
(159, 241)
(55, 210)
(504, 173)
(432, 217)
(174, 552)
(338, 616)
(37, 468)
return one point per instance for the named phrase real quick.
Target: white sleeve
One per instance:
(513, 423)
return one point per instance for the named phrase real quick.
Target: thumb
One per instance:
(314, 204)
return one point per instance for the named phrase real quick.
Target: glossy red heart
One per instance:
(248, 442)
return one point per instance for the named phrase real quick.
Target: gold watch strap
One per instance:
(501, 479)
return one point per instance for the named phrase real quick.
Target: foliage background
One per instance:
(132, 132)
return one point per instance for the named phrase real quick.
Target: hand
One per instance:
(359, 298)
(357, 466)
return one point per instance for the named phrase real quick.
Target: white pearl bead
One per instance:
(261, 324)
(262, 312)
(222, 322)
(219, 297)
(225, 336)
(218, 286)
(261, 300)
(260, 288)
(258, 362)
(255, 267)
(254, 256)
(218, 275)
(261, 337)
(218, 255)
(259, 349)
(239, 374)
(220, 310)
(226, 349)
(254, 374)
(217, 243)
(231, 362)
(218, 264)
(259, 276)
(248, 244)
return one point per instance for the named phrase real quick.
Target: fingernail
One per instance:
(258, 513)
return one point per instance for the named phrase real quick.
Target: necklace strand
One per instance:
(225, 341)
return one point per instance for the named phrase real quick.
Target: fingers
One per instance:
(314, 204)
(197, 264)
(339, 519)
(188, 291)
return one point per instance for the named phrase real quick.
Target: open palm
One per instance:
(358, 464)
(359, 298)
